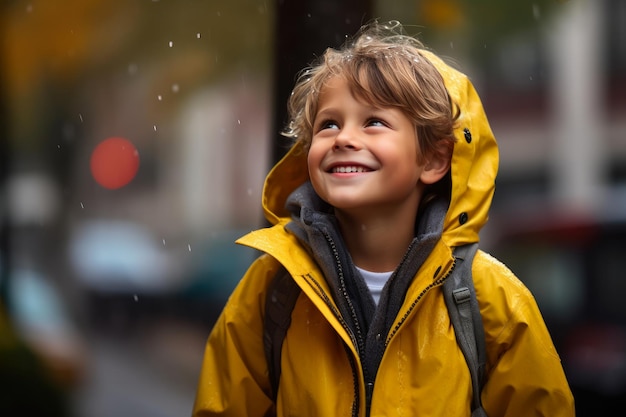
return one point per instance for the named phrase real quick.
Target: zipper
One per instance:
(358, 337)
(319, 291)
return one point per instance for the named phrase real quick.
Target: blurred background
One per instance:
(111, 278)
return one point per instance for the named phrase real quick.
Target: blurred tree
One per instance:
(67, 45)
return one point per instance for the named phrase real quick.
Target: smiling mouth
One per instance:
(348, 169)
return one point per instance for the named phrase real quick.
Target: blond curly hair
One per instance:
(384, 67)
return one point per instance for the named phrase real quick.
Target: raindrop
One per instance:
(451, 45)
(308, 15)
(136, 297)
(175, 88)
(171, 44)
(238, 121)
(82, 205)
(154, 127)
(163, 241)
(160, 97)
(189, 247)
(198, 35)
(29, 8)
(58, 146)
(530, 78)
(80, 116)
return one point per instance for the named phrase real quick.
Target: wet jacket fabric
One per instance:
(345, 356)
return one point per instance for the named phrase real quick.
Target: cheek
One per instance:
(314, 159)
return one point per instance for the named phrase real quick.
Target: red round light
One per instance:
(114, 162)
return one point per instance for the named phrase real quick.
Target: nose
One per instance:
(347, 138)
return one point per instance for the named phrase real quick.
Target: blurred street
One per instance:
(149, 374)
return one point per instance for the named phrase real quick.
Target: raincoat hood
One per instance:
(473, 168)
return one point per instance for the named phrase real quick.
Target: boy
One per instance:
(393, 167)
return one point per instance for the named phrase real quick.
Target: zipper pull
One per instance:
(369, 390)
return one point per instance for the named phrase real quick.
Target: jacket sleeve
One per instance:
(233, 378)
(525, 376)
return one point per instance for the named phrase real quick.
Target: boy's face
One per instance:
(363, 159)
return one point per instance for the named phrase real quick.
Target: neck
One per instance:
(377, 243)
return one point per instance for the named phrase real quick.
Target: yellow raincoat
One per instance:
(422, 371)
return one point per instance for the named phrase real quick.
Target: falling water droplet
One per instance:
(171, 44)
(189, 247)
(136, 297)
(154, 127)
(163, 241)
(160, 97)
(198, 35)
(82, 205)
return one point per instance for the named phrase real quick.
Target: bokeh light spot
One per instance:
(114, 162)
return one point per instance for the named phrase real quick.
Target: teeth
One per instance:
(348, 169)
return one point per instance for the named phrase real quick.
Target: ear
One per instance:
(435, 168)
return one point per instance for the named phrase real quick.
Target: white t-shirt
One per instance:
(375, 281)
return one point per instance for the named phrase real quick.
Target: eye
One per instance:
(326, 124)
(376, 122)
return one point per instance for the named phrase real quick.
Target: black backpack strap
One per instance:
(464, 312)
(281, 297)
